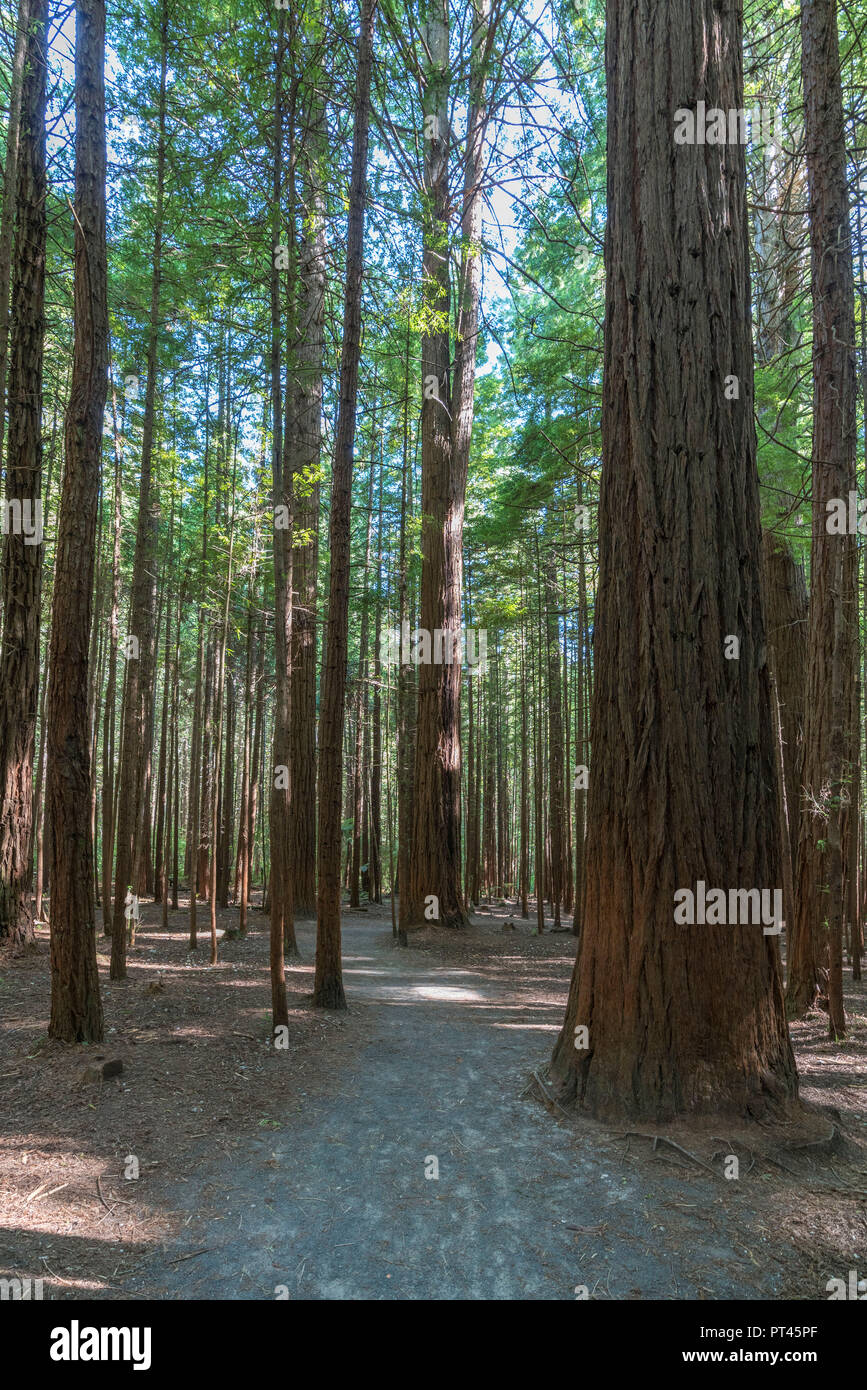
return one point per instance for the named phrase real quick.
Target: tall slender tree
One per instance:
(76, 1009)
(833, 476)
(23, 42)
(446, 431)
(141, 658)
(328, 990)
(435, 863)
(306, 364)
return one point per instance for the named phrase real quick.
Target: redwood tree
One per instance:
(76, 1010)
(446, 431)
(328, 984)
(833, 475)
(683, 781)
(22, 552)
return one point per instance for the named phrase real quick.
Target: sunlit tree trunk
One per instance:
(679, 1018)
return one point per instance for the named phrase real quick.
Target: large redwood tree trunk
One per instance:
(683, 781)
(22, 553)
(76, 1010)
(446, 433)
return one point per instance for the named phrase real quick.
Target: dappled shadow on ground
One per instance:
(307, 1166)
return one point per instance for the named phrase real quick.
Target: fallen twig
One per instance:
(550, 1100)
(192, 1256)
(661, 1139)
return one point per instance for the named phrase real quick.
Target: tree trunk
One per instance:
(76, 1009)
(328, 983)
(28, 17)
(787, 608)
(228, 800)
(162, 770)
(405, 674)
(435, 866)
(524, 871)
(679, 1018)
(359, 790)
(307, 363)
(22, 520)
(834, 444)
(555, 739)
(109, 712)
(374, 872)
(242, 865)
(140, 668)
(279, 787)
(837, 757)
(193, 799)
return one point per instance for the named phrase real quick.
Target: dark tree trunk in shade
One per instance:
(555, 740)
(109, 711)
(141, 665)
(328, 982)
(22, 544)
(435, 863)
(833, 475)
(307, 364)
(787, 606)
(683, 779)
(279, 787)
(23, 41)
(76, 1009)
(374, 877)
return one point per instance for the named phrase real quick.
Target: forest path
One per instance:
(336, 1205)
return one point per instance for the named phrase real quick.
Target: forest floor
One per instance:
(301, 1172)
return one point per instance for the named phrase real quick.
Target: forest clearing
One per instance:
(433, 663)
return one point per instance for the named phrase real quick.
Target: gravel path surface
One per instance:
(337, 1204)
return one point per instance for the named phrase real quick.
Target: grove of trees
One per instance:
(432, 444)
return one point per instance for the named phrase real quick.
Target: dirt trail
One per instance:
(336, 1203)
